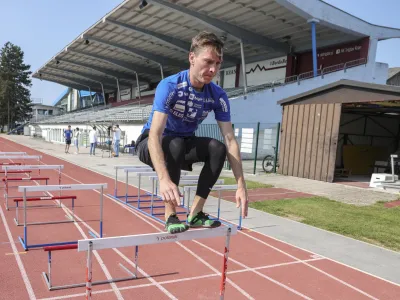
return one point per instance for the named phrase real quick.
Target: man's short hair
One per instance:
(69, 126)
(207, 39)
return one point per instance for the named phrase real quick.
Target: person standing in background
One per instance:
(77, 134)
(93, 140)
(68, 136)
(116, 139)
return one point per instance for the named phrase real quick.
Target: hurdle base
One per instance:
(75, 285)
(27, 247)
(145, 201)
(133, 196)
(43, 223)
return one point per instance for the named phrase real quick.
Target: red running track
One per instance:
(259, 267)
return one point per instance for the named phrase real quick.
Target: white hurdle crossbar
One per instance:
(12, 153)
(23, 157)
(49, 188)
(19, 157)
(218, 188)
(29, 168)
(155, 238)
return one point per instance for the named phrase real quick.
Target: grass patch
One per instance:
(250, 184)
(374, 224)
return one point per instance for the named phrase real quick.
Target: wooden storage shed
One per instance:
(312, 123)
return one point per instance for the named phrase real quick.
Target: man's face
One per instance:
(69, 127)
(205, 65)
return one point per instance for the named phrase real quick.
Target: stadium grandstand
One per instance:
(274, 49)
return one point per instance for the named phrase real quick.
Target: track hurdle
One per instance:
(71, 217)
(140, 174)
(49, 188)
(117, 168)
(20, 157)
(218, 188)
(185, 180)
(24, 169)
(155, 238)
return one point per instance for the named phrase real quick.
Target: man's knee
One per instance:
(217, 149)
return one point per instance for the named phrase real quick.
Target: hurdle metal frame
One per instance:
(71, 217)
(156, 238)
(153, 193)
(22, 169)
(218, 188)
(47, 277)
(139, 173)
(185, 180)
(48, 188)
(125, 167)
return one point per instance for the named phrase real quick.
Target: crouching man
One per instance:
(168, 142)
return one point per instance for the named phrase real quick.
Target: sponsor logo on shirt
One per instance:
(176, 113)
(179, 107)
(192, 112)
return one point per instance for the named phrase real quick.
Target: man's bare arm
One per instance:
(233, 152)
(168, 190)
(157, 155)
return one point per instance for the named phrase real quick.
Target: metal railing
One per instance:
(300, 77)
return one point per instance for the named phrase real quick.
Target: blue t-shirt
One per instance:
(68, 134)
(186, 107)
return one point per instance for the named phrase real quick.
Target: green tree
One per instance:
(15, 81)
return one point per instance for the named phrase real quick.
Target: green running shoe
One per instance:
(202, 220)
(174, 225)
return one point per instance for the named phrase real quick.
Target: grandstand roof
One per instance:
(134, 39)
(393, 72)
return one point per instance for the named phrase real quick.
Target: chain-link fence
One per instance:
(258, 144)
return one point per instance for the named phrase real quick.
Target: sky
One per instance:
(44, 27)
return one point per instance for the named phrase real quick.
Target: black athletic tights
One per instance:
(180, 151)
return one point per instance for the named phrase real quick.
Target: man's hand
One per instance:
(169, 192)
(242, 200)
